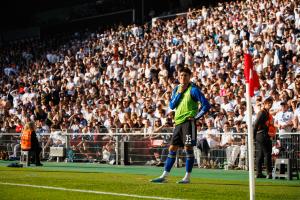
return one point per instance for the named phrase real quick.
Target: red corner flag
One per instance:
(251, 76)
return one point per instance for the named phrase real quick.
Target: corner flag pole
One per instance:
(250, 142)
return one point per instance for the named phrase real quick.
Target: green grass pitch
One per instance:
(133, 180)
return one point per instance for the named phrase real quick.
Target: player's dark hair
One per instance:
(268, 100)
(186, 70)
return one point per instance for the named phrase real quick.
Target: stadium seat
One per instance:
(57, 152)
(25, 158)
(283, 169)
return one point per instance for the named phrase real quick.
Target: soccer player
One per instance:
(185, 100)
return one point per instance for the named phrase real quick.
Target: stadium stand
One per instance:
(120, 80)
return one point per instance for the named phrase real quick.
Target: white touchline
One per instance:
(87, 191)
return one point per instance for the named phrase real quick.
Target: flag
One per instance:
(248, 65)
(254, 82)
(250, 74)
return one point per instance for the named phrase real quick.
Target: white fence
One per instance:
(139, 147)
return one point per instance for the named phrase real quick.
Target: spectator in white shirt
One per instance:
(227, 142)
(284, 119)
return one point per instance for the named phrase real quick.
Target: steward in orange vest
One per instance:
(26, 140)
(29, 142)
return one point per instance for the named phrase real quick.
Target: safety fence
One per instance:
(143, 147)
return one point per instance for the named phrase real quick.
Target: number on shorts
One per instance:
(188, 139)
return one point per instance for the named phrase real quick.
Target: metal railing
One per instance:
(139, 147)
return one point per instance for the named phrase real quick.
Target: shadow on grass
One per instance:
(47, 171)
(245, 184)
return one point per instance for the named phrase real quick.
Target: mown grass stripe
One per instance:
(87, 191)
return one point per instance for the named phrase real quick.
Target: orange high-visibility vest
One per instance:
(272, 128)
(26, 140)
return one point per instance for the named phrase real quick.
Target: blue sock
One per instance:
(170, 161)
(189, 162)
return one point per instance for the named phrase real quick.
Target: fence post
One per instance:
(124, 152)
(117, 149)
(67, 147)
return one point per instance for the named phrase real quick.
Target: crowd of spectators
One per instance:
(123, 77)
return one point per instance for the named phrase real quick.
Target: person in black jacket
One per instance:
(263, 140)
